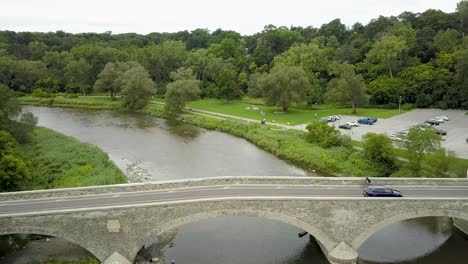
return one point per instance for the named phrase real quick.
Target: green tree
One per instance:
(315, 61)
(185, 87)
(256, 83)
(13, 172)
(108, 80)
(388, 52)
(326, 136)
(78, 74)
(462, 9)
(227, 86)
(418, 143)
(8, 143)
(48, 84)
(461, 66)
(378, 149)
(440, 162)
(385, 90)
(446, 41)
(347, 87)
(137, 88)
(285, 85)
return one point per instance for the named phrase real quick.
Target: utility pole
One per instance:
(399, 105)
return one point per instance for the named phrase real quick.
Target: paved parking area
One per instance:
(457, 127)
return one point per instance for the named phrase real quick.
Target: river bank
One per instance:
(288, 145)
(58, 161)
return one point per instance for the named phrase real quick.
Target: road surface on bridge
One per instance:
(237, 191)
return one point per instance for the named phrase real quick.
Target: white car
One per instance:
(354, 124)
(445, 118)
(438, 119)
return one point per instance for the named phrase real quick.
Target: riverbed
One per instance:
(149, 148)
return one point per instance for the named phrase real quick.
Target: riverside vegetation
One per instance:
(289, 145)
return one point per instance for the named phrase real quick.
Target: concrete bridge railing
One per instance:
(228, 180)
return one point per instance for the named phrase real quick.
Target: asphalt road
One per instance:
(213, 192)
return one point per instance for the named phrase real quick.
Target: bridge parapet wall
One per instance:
(340, 225)
(160, 185)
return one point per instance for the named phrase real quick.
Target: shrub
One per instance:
(378, 149)
(407, 106)
(39, 93)
(322, 134)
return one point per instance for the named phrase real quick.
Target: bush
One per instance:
(322, 134)
(39, 93)
(13, 172)
(379, 151)
(407, 106)
(71, 95)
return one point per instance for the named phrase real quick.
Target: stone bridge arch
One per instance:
(78, 239)
(401, 216)
(149, 238)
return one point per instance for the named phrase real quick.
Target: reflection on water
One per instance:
(157, 149)
(260, 241)
(183, 130)
(434, 232)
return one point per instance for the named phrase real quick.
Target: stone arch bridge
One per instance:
(115, 222)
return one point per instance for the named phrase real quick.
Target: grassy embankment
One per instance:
(56, 161)
(287, 144)
(294, 116)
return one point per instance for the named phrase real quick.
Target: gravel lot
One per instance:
(457, 127)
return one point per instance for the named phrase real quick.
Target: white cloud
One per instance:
(245, 16)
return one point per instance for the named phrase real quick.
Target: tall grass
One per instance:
(56, 161)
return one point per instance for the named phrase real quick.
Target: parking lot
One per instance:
(457, 127)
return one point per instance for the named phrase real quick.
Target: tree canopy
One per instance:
(418, 56)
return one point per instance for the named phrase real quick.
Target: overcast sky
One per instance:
(244, 16)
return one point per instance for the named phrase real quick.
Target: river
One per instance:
(149, 148)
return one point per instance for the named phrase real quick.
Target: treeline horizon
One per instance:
(418, 58)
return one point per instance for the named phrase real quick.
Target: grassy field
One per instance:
(56, 161)
(294, 116)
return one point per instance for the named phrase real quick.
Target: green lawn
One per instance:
(293, 117)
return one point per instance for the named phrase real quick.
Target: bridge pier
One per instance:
(342, 254)
(461, 225)
(116, 258)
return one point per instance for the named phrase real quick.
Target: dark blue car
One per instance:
(367, 121)
(380, 191)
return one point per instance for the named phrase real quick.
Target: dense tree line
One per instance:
(420, 58)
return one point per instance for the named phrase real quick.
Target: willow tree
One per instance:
(285, 85)
(185, 87)
(347, 87)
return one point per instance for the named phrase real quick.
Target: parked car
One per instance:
(329, 118)
(367, 121)
(423, 125)
(345, 126)
(354, 124)
(441, 132)
(445, 118)
(440, 119)
(380, 191)
(433, 122)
